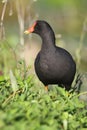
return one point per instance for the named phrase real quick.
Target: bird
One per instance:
(53, 64)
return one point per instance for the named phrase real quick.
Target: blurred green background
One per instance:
(67, 18)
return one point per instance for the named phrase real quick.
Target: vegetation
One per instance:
(26, 105)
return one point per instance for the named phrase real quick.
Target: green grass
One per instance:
(25, 105)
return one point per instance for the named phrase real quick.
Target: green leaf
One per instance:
(13, 82)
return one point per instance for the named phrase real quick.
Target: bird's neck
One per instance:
(48, 39)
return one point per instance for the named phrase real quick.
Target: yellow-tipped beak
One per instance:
(26, 32)
(31, 29)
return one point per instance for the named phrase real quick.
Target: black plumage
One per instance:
(53, 65)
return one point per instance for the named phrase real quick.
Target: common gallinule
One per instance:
(53, 65)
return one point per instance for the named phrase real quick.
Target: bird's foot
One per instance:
(46, 88)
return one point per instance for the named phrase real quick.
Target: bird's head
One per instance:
(44, 30)
(39, 27)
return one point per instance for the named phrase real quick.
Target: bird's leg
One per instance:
(46, 88)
